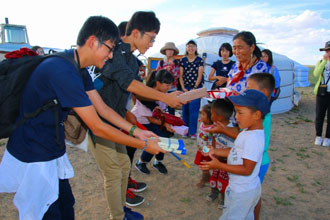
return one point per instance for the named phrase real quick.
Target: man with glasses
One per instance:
(120, 78)
(35, 166)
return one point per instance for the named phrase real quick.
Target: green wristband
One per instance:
(131, 131)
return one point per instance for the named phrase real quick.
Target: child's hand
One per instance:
(158, 108)
(210, 150)
(213, 164)
(169, 128)
(217, 127)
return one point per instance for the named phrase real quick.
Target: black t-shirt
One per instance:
(222, 69)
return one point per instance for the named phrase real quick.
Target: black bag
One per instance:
(14, 73)
(323, 89)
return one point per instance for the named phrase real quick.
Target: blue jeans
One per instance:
(62, 208)
(190, 112)
(263, 171)
(145, 156)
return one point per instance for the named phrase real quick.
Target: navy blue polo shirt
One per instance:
(55, 77)
(222, 69)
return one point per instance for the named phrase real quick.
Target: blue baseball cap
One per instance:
(252, 98)
(192, 41)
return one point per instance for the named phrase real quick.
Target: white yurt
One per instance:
(208, 44)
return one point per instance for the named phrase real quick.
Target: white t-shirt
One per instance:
(248, 145)
(141, 111)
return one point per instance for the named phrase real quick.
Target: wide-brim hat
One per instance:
(169, 46)
(326, 47)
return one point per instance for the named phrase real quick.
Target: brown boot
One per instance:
(205, 178)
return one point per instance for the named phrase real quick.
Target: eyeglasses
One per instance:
(111, 49)
(152, 38)
(191, 46)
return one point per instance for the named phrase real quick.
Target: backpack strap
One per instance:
(54, 103)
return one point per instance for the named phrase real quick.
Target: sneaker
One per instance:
(222, 201)
(130, 215)
(193, 136)
(326, 142)
(213, 195)
(133, 200)
(136, 186)
(318, 140)
(159, 166)
(142, 167)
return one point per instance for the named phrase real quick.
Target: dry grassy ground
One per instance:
(295, 187)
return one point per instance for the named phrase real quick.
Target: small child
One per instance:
(160, 80)
(221, 111)
(265, 83)
(204, 138)
(244, 159)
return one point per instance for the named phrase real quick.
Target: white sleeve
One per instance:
(253, 147)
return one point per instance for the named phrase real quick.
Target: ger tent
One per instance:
(209, 42)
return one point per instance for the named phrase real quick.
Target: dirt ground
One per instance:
(295, 187)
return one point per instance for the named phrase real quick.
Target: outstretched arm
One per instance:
(101, 129)
(140, 89)
(113, 117)
(219, 127)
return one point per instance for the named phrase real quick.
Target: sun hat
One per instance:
(169, 46)
(326, 47)
(191, 41)
(252, 98)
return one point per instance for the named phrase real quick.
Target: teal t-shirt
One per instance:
(267, 125)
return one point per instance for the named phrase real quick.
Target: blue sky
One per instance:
(296, 29)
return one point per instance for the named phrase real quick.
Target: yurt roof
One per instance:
(217, 31)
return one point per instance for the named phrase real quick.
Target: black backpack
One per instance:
(14, 73)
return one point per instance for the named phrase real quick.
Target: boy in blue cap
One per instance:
(244, 159)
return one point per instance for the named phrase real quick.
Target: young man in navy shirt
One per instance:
(120, 78)
(34, 165)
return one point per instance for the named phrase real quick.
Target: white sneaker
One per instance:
(326, 142)
(318, 140)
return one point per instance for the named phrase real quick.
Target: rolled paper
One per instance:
(172, 145)
(193, 94)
